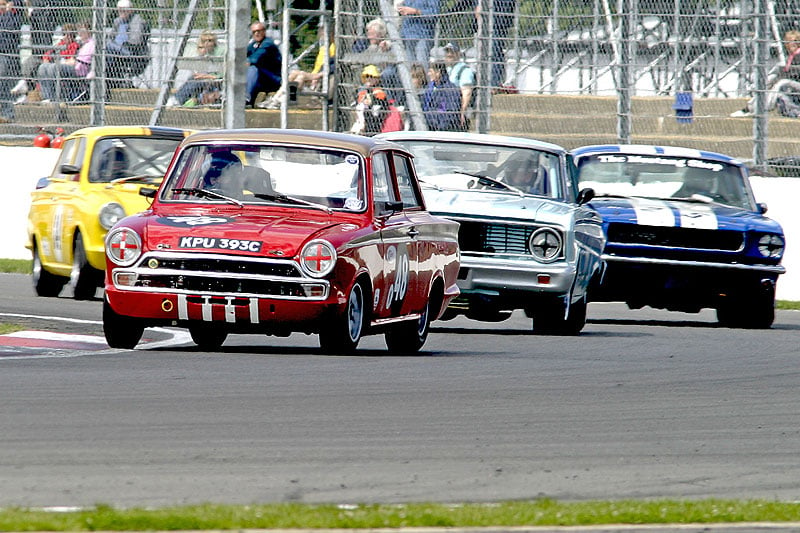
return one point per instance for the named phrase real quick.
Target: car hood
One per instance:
(278, 235)
(484, 204)
(673, 213)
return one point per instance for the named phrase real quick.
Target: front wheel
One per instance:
(207, 336)
(343, 332)
(749, 311)
(553, 319)
(45, 283)
(121, 331)
(84, 278)
(408, 337)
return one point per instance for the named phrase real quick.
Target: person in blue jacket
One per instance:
(264, 64)
(441, 101)
(418, 26)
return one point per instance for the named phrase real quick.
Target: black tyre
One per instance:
(342, 333)
(748, 311)
(408, 337)
(45, 283)
(208, 336)
(121, 331)
(549, 319)
(84, 278)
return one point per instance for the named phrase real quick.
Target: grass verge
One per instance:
(542, 512)
(16, 266)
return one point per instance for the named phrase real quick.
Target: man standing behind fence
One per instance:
(462, 76)
(264, 64)
(418, 27)
(10, 27)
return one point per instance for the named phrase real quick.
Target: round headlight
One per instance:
(123, 246)
(546, 245)
(110, 214)
(317, 258)
(771, 246)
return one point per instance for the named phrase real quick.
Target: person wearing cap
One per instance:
(372, 103)
(418, 18)
(263, 64)
(463, 77)
(127, 49)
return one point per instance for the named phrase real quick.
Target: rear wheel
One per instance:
(409, 336)
(344, 332)
(121, 331)
(84, 278)
(45, 283)
(208, 336)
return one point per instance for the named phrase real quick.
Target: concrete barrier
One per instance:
(25, 165)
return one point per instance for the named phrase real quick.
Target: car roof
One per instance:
(481, 138)
(122, 131)
(651, 149)
(344, 141)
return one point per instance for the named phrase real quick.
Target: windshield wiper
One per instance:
(284, 199)
(147, 178)
(205, 193)
(491, 182)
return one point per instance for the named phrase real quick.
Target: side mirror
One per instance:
(42, 183)
(762, 207)
(585, 196)
(69, 169)
(147, 192)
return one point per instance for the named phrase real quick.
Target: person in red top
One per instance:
(784, 88)
(48, 72)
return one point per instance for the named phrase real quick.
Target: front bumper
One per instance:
(482, 276)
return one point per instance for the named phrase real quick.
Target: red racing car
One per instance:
(281, 231)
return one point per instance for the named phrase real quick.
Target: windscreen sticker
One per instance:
(219, 244)
(353, 204)
(191, 221)
(353, 160)
(667, 161)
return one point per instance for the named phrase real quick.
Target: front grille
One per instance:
(673, 237)
(227, 265)
(224, 274)
(494, 238)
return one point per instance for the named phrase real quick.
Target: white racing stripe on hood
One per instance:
(698, 216)
(653, 212)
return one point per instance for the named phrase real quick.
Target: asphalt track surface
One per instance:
(643, 404)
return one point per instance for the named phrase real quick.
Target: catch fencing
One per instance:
(568, 71)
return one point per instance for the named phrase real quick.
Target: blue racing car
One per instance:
(684, 232)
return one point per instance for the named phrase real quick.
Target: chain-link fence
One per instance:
(577, 72)
(568, 71)
(97, 63)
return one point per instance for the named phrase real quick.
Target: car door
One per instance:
(397, 243)
(52, 206)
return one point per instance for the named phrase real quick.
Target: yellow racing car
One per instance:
(96, 181)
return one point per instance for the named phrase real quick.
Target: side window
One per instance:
(403, 171)
(71, 154)
(382, 190)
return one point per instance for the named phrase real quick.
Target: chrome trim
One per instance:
(776, 269)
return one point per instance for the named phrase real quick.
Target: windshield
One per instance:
(481, 167)
(306, 176)
(126, 158)
(661, 177)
